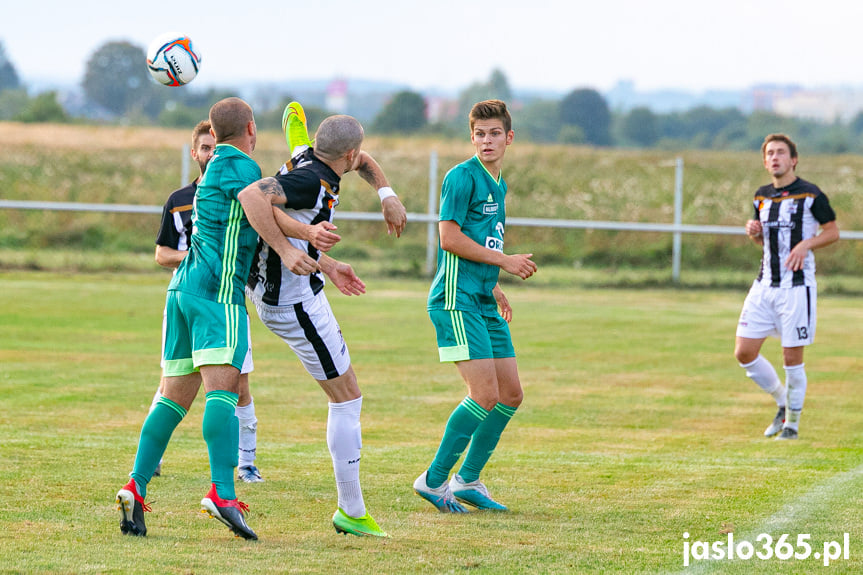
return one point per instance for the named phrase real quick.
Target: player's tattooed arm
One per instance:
(272, 189)
(370, 171)
(392, 208)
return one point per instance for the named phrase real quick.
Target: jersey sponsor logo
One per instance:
(490, 208)
(779, 225)
(494, 243)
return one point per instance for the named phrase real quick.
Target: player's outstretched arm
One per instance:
(394, 212)
(257, 200)
(319, 235)
(453, 240)
(342, 276)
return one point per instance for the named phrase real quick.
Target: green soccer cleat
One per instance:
(294, 127)
(359, 526)
(474, 494)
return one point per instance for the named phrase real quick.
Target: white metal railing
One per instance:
(430, 218)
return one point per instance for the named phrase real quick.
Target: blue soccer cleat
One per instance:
(474, 494)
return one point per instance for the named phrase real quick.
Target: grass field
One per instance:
(637, 426)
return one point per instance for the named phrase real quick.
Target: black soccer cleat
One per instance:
(132, 508)
(230, 512)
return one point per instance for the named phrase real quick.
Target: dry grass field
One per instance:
(143, 165)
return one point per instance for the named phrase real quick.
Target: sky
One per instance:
(446, 45)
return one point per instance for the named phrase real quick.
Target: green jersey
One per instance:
(472, 198)
(223, 242)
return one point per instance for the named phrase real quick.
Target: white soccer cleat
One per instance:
(777, 423)
(441, 497)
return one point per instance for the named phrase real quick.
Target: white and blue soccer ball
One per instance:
(173, 60)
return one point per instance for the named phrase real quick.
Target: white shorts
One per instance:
(787, 313)
(311, 329)
(248, 364)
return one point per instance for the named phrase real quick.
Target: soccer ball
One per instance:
(172, 60)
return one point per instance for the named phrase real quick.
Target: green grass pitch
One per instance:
(637, 427)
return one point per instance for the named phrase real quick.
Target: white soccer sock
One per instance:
(156, 399)
(344, 438)
(795, 379)
(248, 433)
(762, 372)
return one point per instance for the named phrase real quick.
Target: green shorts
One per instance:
(203, 332)
(464, 335)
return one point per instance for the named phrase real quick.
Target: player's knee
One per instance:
(512, 398)
(745, 356)
(486, 400)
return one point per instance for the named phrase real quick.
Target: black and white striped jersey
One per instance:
(312, 191)
(788, 216)
(176, 226)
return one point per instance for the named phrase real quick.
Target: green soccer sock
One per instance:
(461, 425)
(484, 441)
(163, 419)
(222, 433)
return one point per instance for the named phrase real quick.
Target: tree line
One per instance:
(117, 88)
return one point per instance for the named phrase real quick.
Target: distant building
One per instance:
(441, 109)
(822, 105)
(337, 96)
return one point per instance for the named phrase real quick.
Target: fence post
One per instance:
(431, 228)
(678, 219)
(184, 171)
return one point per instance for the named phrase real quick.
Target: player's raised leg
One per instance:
(295, 129)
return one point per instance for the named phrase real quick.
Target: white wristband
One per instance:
(386, 192)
